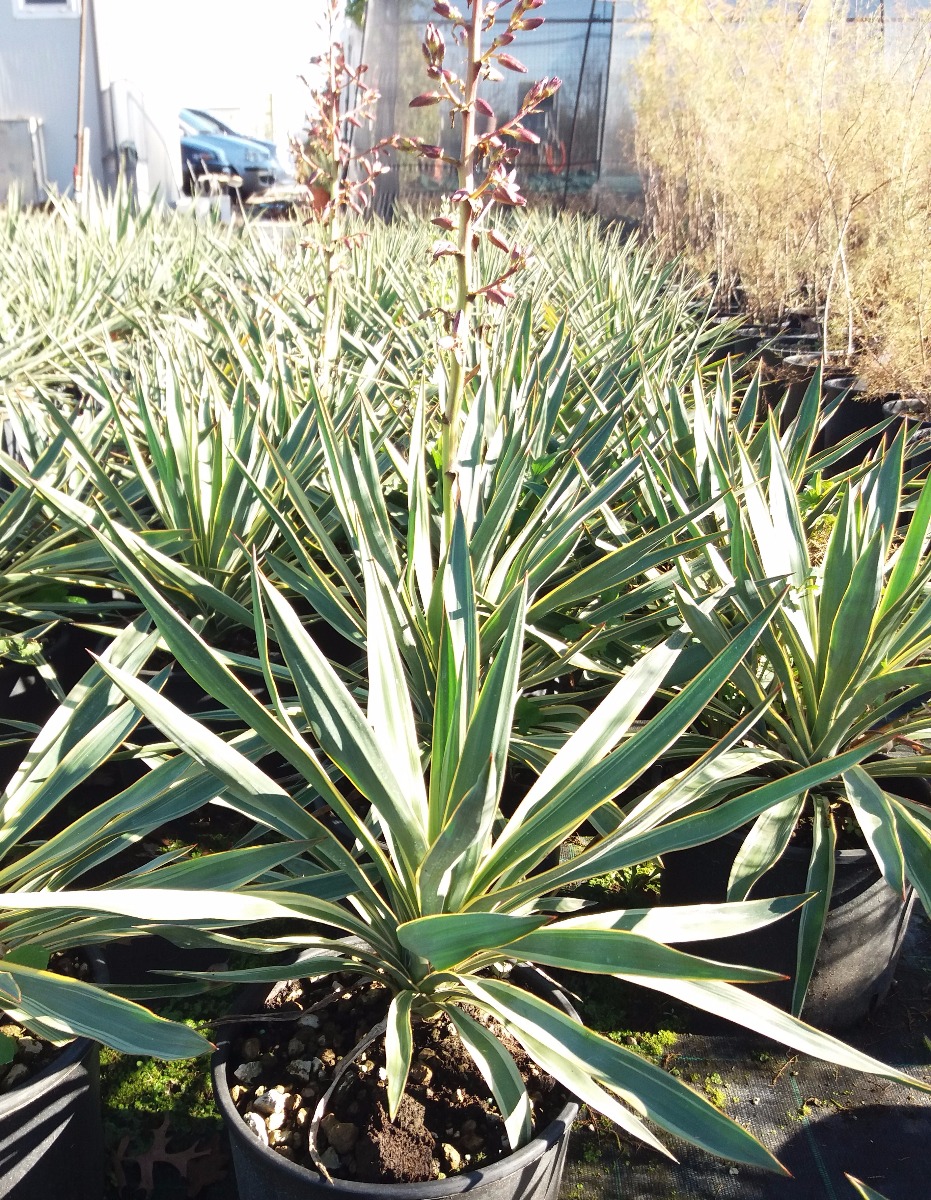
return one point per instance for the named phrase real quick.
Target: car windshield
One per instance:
(194, 121)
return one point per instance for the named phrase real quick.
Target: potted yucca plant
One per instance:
(56, 1010)
(405, 889)
(842, 677)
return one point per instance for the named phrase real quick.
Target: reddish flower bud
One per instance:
(434, 47)
(497, 240)
(511, 64)
(444, 250)
(484, 107)
(425, 99)
(444, 222)
(520, 134)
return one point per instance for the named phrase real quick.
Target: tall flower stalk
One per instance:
(485, 177)
(338, 179)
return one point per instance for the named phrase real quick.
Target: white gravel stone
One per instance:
(304, 1069)
(309, 1020)
(342, 1135)
(248, 1071)
(16, 1074)
(257, 1125)
(29, 1047)
(271, 1102)
(452, 1156)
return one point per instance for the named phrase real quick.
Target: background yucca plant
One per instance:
(42, 848)
(545, 492)
(73, 283)
(187, 470)
(840, 675)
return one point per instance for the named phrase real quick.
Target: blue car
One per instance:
(210, 148)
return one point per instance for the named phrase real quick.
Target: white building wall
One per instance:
(39, 78)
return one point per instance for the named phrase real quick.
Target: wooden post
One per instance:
(80, 155)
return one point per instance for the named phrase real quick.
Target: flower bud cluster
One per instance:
(487, 157)
(323, 153)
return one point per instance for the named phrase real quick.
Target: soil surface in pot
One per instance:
(31, 1055)
(448, 1121)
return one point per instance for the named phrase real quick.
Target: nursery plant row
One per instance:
(658, 613)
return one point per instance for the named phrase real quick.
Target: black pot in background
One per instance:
(796, 373)
(747, 341)
(916, 412)
(863, 933)
(532, 1173)
(25, 696)
(788, 345)
(858, 411)
(51, 1134)
(134, 960)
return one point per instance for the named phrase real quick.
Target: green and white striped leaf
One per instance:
(743, 1008)
(500, 1072)
(399, 1047)
(67, 1008)
(653, 1092)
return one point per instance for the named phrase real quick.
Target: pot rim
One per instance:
(69, 1060)
(70, 1057)
(847, 383)
(544, 1141)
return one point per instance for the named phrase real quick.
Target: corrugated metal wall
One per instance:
(585, 152)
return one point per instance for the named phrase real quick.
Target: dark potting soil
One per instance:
(448, 1121)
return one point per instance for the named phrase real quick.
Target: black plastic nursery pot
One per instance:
(51, 1133)
(25, 696)
(534, 1172)
(744, 342)
(862, 938)
(858, 412)
(788, 390)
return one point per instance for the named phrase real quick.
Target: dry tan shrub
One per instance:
(787, 150)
